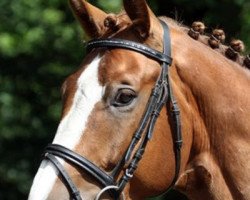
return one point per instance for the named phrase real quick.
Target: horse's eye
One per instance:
(124, 97)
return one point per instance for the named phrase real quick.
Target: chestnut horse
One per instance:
(121, 130)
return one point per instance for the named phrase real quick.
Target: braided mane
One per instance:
(216, 40)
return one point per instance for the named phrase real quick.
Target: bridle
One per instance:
(161, 95)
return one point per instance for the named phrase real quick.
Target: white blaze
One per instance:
(71, 128)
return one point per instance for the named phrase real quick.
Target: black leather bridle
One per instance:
(161, 95)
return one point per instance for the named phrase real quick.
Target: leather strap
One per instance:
(126, 44)
(166, 40)
(81, 162)
(75, 194)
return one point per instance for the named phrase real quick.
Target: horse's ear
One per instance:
(90, 17)
(142, 16)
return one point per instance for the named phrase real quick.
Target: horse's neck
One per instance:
(217, 93)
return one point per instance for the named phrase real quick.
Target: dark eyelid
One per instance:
(126, 83)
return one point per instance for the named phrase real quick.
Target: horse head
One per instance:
(120, 132)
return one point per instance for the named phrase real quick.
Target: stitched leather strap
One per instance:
(75, 194)
(126, 44)
(81, 162)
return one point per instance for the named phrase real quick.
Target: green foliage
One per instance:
(245, 25)
(40, 44)
(230, 15)
(109, 6)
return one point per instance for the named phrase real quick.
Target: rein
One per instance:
(161, 95)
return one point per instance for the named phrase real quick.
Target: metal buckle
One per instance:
(111, 187)
(129, 175)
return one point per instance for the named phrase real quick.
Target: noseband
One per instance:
(161, 95)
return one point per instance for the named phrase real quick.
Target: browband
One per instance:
(126, 44)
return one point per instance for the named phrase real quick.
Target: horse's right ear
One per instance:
(144, 20)
(90, 17)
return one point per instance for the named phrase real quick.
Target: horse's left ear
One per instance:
(90, 17)
(143, 18)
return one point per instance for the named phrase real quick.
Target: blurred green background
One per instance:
(40, 44)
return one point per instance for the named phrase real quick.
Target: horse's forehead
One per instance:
(114, 65)
(83, 92)
(122, 66)
(109, 68)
